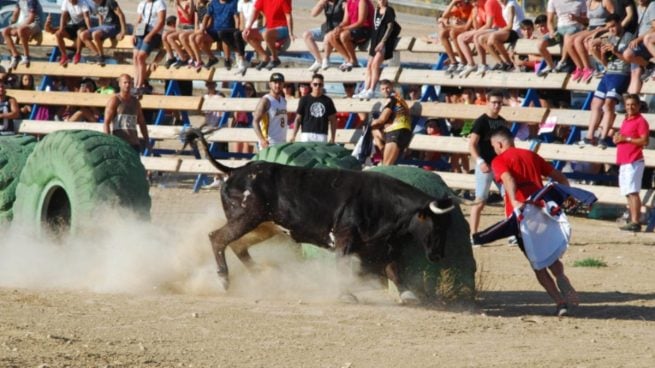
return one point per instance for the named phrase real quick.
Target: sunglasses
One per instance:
(317, 84)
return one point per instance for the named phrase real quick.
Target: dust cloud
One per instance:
(118, 254)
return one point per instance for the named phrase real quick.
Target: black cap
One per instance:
(276, 77)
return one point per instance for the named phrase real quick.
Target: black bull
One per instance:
(367, 214)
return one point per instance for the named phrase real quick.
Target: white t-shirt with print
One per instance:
(75, 12)
(149, 10)
(564, 8)
(248, 10)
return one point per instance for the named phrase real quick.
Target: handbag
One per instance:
(140, 29)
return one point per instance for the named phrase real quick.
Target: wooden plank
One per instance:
(184, 103)
(79, 70)
(203, 166)
(580, 118)
(47, 127)
(489, 80)
(97, 100)
(49, 40)
(571, 85)
(249, 104)
(332, 75)
(566, 152)
(421, 45)
(648, 88)
(163, 73)
(531, 47)
(445, 110)
(405, 43)
(168, 164)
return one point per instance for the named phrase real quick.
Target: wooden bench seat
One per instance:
(332, 75)
(580, 118)
(489, 80)
(531, 47)
(49, 40)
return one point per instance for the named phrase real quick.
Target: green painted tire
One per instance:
(310, 154)
(452, 279)
(14, 151)
(72, 174)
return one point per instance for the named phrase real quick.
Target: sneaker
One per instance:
(198, 65)
(191, 64)
(508, 67)
(25, 60)
(585, 142)
(631, 226)
(497, 67)
(568, 292)
(346, 67)
(562, 310)
(315, 67)
(367, 95)
(602, 144)
(452, 68)
(76, 58)
(599, 73)
(325, 65)
(216, 184)
(648, 73)
(475, 244)
(63, 60)
(587, 74)
(273, 64)
(242, 66)
(466, 71)
(544, 72)
(560, 67)
(482, 69)
(14, 62)
(210, 63)
(460, 68)
(261, 64)
(170, 62)
(513, 241)
(228, 64)
(178, 63)
(577, 74)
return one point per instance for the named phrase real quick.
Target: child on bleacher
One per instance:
(455, 20)
(31, 26)
(354, 29)
(112, 25)
(75, 17)
(571, 16)
(488, 18)
(493, 43)
(186, 24)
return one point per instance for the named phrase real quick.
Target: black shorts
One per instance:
(72, 29)
(360, 35)
(232, 37)
(513, 37)
(401, 137)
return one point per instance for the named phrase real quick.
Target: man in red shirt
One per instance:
(521, 172)
(630, 141)
(279, 27)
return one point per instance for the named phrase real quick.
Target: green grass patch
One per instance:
(589, 262)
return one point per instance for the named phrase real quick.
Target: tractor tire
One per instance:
(14, 151)
(309, 154)
(71, 175)
(453, 278)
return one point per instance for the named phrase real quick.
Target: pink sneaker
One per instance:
(587, 74)
(577, 74)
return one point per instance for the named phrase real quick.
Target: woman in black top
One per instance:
(383, 43)
(8, 110)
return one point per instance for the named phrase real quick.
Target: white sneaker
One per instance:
(214, 184)
(466, 71)
(452, 68)
(242, 66)
(482, 68)
(325, 65)
(315, 67)
(24, 60)
(14, 62)
(368, 94)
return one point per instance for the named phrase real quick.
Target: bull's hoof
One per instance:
(409, 298)
(348, 297)
(223, 281)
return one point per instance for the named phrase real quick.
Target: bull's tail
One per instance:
(192, 135)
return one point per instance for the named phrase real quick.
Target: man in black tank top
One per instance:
(8, 110)
(123, 113)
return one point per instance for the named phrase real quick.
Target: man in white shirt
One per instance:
(270, 116)
(147, 36)
(571, 17)
(75, 18)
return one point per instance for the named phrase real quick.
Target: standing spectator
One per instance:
(75, 17)
(383, 43)
(279, 27)
(316, 115)
(270, 115)
(613, 84)
(8, 110)
(333, 10)
(488, 18)
(151, 15)
(220, 25)
(392, 130)
(483, 153)
(521, 172)
(112, 24)
(571, 16)
(123, 113)
(31, 26)
(630, 141)
(355, 28)
(455, 20)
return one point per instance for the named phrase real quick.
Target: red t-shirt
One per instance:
(274, 11)
(492, 8)
(633, 127)
(526, 167)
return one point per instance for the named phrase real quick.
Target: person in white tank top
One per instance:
(270, 116)
(493, 42)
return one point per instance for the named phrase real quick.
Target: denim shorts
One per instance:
(107, 31)
(482, 183)
(154, 44)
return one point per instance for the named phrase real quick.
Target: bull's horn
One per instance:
(434, 207)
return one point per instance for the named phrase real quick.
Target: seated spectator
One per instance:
(392, 130)
(220, 26)
(279, 27)
(527, 62)
(488, 17)
(8, 110)
(493, 42)
(31, 13)
(640, 51)
(383, 44)
(75, 18)
(333, 10)
(106, 87)
(613, 85)
(83, 113)
(571, 16)
(455, 20)
(151, 15)
(27, 84)
(191, 40)
(354, 29)
(344, 116)
(112, 25)
(186, 24)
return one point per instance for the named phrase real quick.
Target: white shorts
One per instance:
(313, 137)
(630, 177)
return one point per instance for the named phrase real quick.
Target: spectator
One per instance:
(527, 62)
(304, 89)
(455, 20)
(614, 83)
(392, 130)
(279, 27)
(343, 116)
(289, 91)
(242, 119)
(191, 41)
(123, 114)
(641, 48)
(493, 42)
(26, 84)
(316, 115)
(383, 43)
(482, 153)
(185, 25)
(354, 29)
(84, 113)
(630, 141)
(75, 18)
(333, 10)
(151, 15)
(112, 25)
(246, 10)
(31, 26)
(571, 16)
(105, 86)
(220, 25)
(8, 110)
(270, 116)
(488, 18)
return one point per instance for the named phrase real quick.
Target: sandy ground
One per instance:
(147, 296)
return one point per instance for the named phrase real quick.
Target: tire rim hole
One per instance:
(56, 215)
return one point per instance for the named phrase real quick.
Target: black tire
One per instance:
(14, 151)
(310, 154)
(70, 175)
(452, 279)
